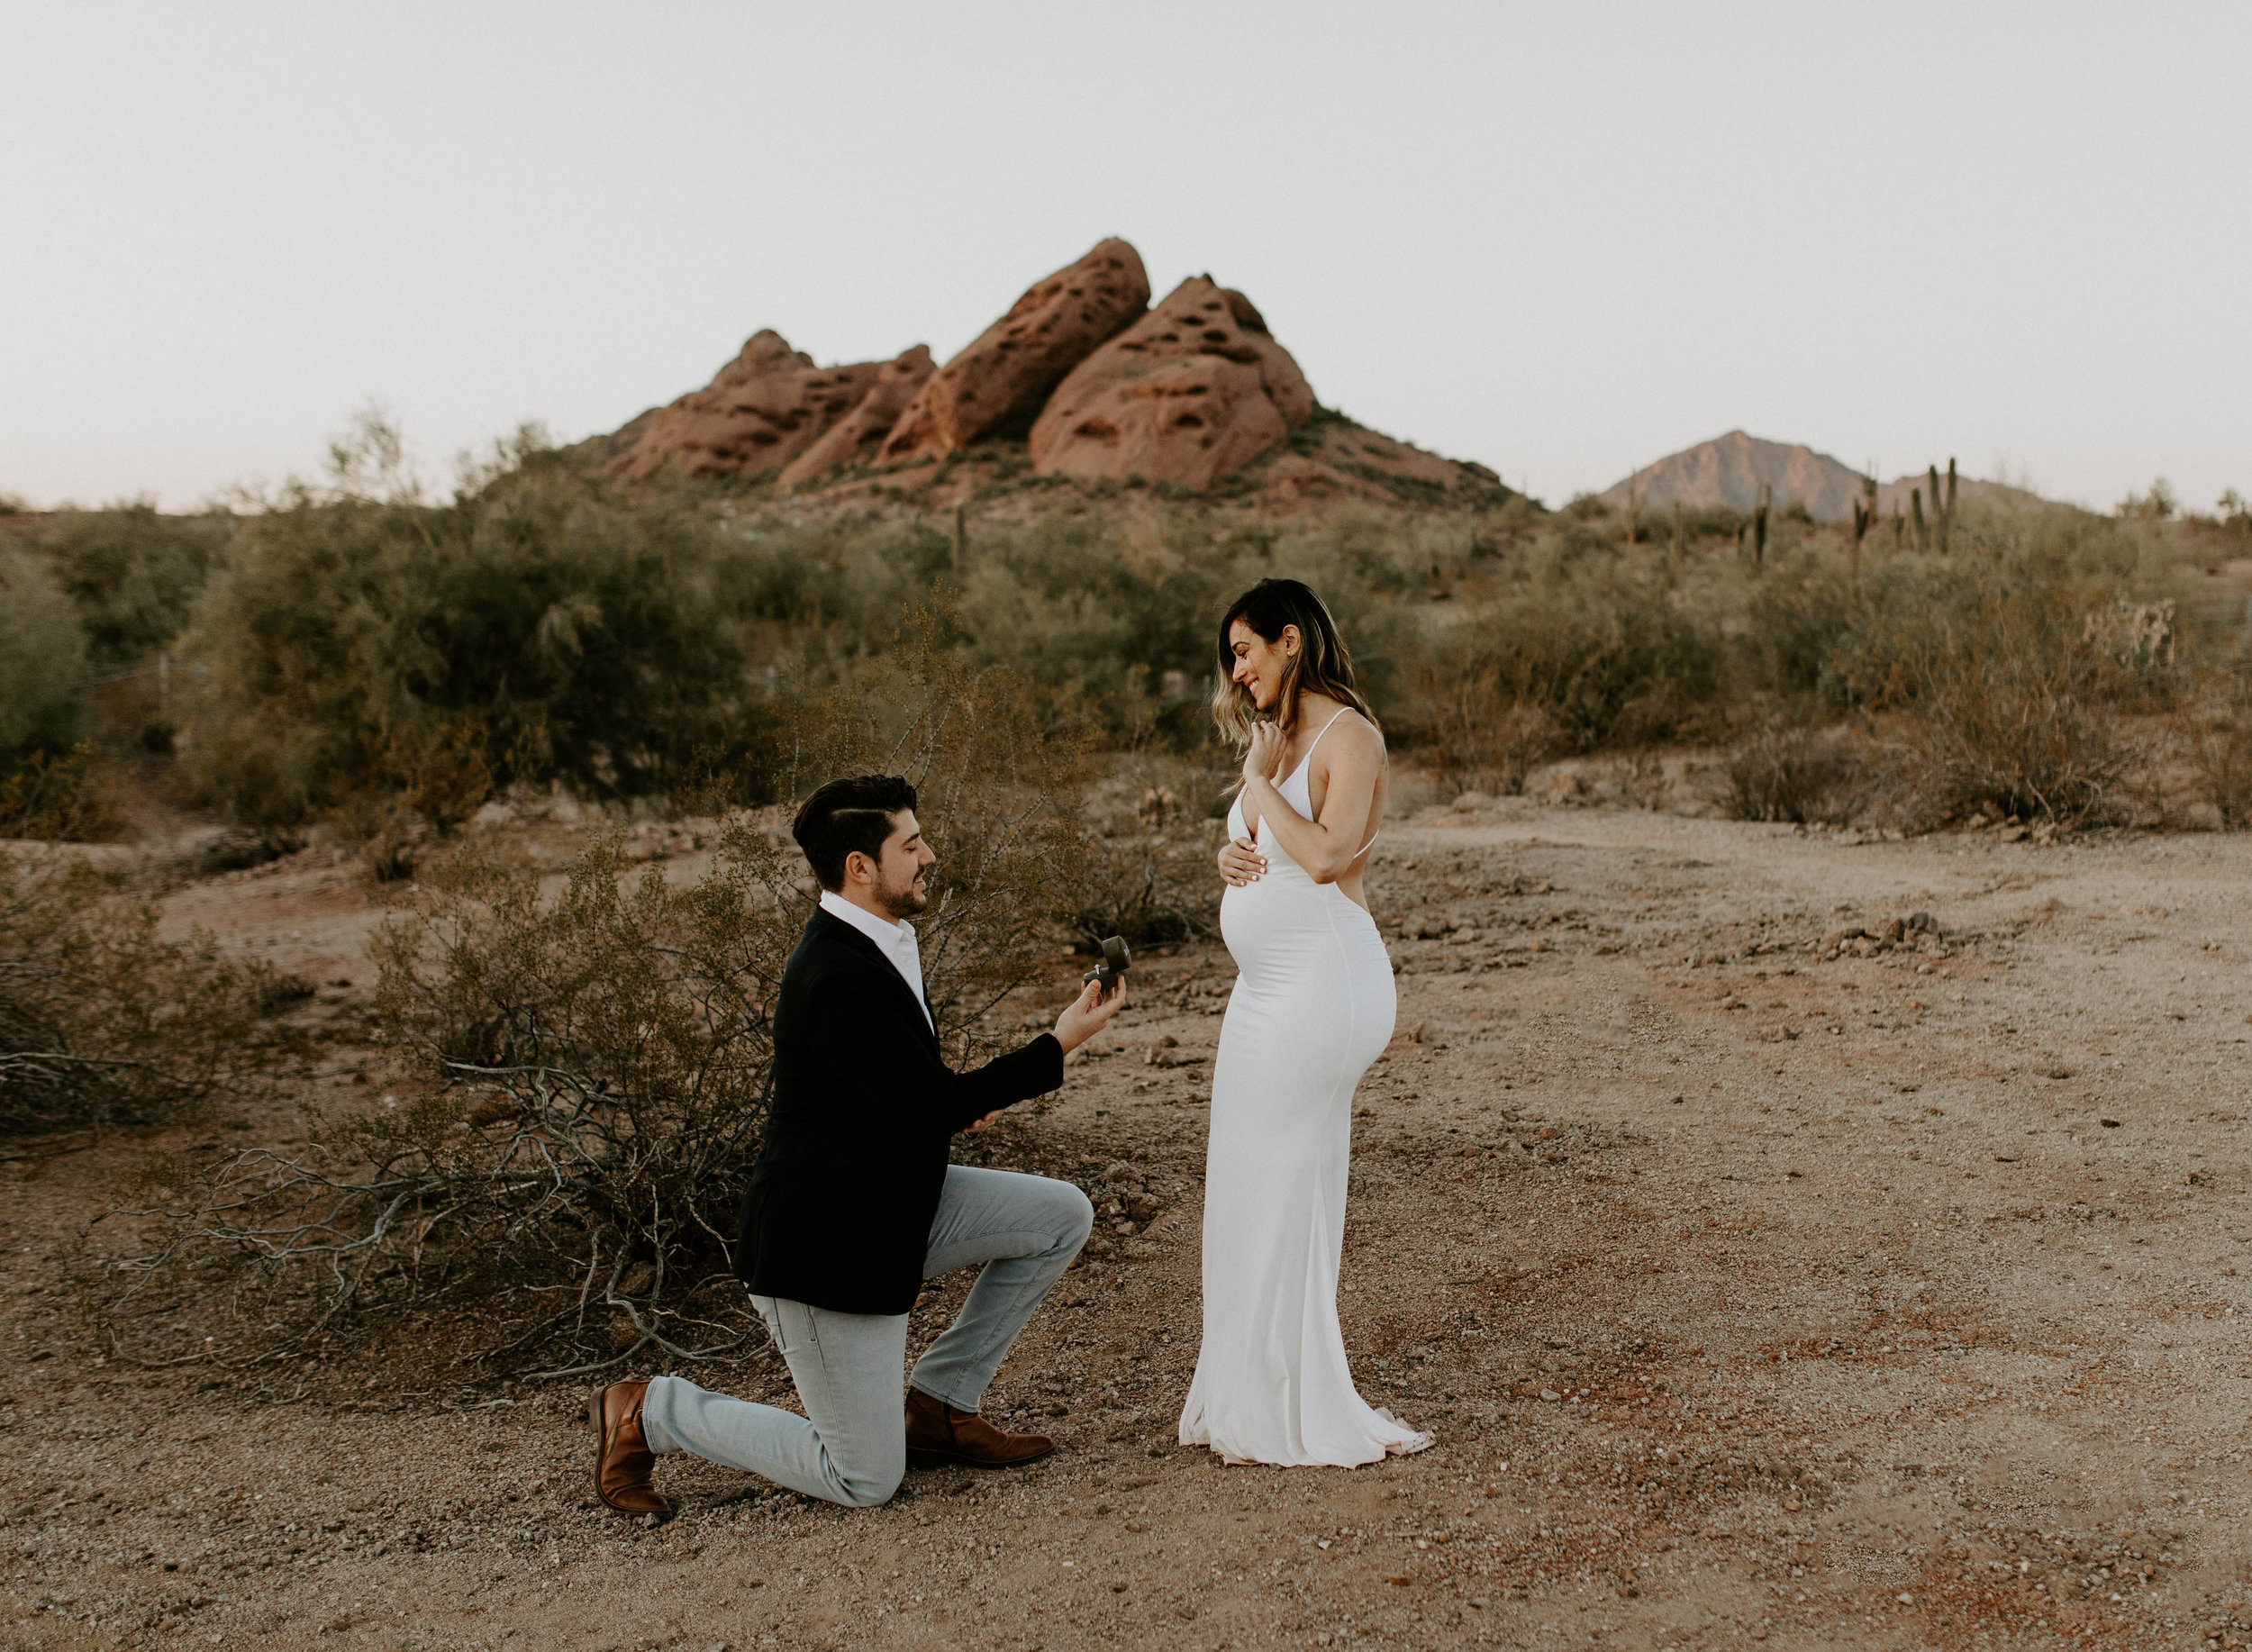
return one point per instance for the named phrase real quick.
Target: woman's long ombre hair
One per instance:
(1321, 664)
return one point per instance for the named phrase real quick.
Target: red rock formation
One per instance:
(1195, 390)
(764, 409)
(853, 438)
(1008, 371)
(1286, 386)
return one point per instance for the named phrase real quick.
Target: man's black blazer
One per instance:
(838, 1213)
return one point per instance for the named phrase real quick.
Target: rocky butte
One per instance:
(1080, 378)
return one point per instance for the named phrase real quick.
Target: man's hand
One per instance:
(1089, 1013)
(987, 1123)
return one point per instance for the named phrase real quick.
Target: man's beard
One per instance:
(905, 902)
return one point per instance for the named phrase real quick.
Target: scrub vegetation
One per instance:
(360, 663)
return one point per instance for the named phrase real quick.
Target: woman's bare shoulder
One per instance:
(1355, 732)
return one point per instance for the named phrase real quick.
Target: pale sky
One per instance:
(1562, 240)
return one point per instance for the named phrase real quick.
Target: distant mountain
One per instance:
(1729, 470)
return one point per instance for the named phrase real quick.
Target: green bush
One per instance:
(1100, 609)
(386, 661)
(43, 661)
(133, 573)
(543, 625)
(1599, 647)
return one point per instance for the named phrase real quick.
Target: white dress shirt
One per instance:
(895, 941)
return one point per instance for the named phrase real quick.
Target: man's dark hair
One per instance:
(846, 815)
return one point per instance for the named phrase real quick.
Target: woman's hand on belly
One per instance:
(1240, 862)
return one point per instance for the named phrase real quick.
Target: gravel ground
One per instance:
(1789, 1238)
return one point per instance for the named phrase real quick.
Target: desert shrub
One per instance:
(1788, 772)
(133, 573)
(42, 660)
(826, 589)
(2157, 505)
(62, 797)
(2012, 722)
(2216, 728)
(1470, 731)
(1802, 622)
(542, 625)
(103, 1022)
(1154, 826)
(595, 1067)
(1598, 650)
(1101, 609)
(1816, 635)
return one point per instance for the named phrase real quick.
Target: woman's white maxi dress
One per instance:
(1312, 1006)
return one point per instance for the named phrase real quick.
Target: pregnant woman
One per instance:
(1312, 1007)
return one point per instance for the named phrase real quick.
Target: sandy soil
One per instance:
(1881, 1299)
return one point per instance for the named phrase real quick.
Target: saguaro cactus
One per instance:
(1759, 528)
(1863, 518)
(1942, 504)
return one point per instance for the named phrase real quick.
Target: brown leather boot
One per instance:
(936, 1429)
(622, 1459)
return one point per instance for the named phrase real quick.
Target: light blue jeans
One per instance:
(850, 1447)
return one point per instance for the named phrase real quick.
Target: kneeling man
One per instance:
(852, 1203)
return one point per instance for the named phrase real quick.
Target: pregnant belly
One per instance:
(1285, 926)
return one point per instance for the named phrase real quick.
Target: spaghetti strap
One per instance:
(1317, 740)
(1327, 726)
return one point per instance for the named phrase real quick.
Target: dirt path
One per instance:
(1879, 1301)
